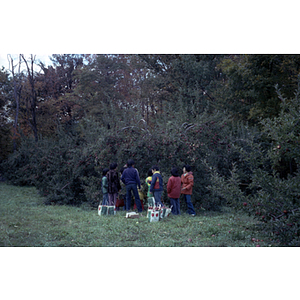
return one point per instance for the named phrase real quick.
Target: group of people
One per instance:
(176, 186)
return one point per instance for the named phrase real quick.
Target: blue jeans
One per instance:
(189, 204)
(105, 199)
(175, 206)
(112, 199)
(157, 197)
(129, 188)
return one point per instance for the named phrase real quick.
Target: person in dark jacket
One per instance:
(114, 185)
(156, 186)
(131, 179)
(174, 191)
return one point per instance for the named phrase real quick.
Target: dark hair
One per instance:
(187, 167)
(130, 163)
(155, 168)
(150, 172)
(104, 172)
(174, 172)
(122, 169)
(113, 166)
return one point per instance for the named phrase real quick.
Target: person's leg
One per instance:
(173, 205)
(190, 206)
(157, 197)
(176, 206)
(105, 199)
(128, 197)
(137, 199)
(115, 197)
(110, 199)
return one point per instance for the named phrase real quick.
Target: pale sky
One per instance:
(39, 57)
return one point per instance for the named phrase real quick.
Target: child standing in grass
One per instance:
(148, 182)
(174, 191)
(151, 202)
(156, 186)
(187, 180)
(105, 186)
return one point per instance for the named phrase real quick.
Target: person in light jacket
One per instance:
(187, 180)
(104, 186)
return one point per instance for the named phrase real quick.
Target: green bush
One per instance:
(272, 194)
(67, 169)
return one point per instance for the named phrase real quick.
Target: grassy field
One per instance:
(26, 222)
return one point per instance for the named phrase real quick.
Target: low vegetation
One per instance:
(27, 222)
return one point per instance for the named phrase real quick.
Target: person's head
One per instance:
(122, 169)
(174, 172)
(155, 168)
(104, 172)
(186, 169)
(150, 172)
(113, 166)
(130, 163)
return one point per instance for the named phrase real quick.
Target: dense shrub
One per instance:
(67, 170)
(272, 194)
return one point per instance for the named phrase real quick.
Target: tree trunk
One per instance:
(17, 99)
(30, 75)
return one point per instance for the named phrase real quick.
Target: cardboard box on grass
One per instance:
(153, 215)
(104, 210)
(165, 212)
(132, 215)
(151, 202)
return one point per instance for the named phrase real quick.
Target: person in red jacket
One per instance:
(174, 190)
(187, 180)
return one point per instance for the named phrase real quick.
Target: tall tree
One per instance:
(33, 96)
(192, 79)
(6, 98)
(249, 89)
(17, 88)
(65, 65)
(98, 90)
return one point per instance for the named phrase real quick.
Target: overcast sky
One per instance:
(213, 27)
(39, 57)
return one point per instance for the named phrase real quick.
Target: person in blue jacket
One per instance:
(131, 179)
(156, 186)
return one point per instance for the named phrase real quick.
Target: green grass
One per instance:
(26, 221)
